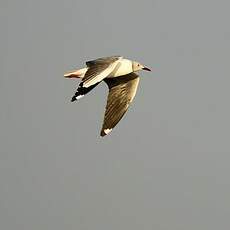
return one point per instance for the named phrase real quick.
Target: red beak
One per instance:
(147, 69)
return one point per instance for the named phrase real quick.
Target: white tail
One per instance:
(76, 73)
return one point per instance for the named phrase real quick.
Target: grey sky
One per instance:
(165, 166)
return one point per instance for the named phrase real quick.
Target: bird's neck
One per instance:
(124, 67)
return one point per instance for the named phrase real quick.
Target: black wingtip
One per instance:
(73, 99)
(105, 132)
(102, 134)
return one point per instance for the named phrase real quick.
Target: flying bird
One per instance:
(120, 75)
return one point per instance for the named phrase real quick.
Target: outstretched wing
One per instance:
(122, 91)
(99, 69)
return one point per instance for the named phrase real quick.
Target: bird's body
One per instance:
(119, 74)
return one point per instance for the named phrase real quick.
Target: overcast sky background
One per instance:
(165, 166)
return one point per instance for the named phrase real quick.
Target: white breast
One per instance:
(123, 67)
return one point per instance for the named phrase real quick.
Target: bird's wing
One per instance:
(122, 91)
(99, 69)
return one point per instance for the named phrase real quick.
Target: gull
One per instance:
(120, 75)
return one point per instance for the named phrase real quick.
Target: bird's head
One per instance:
(137, 67)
